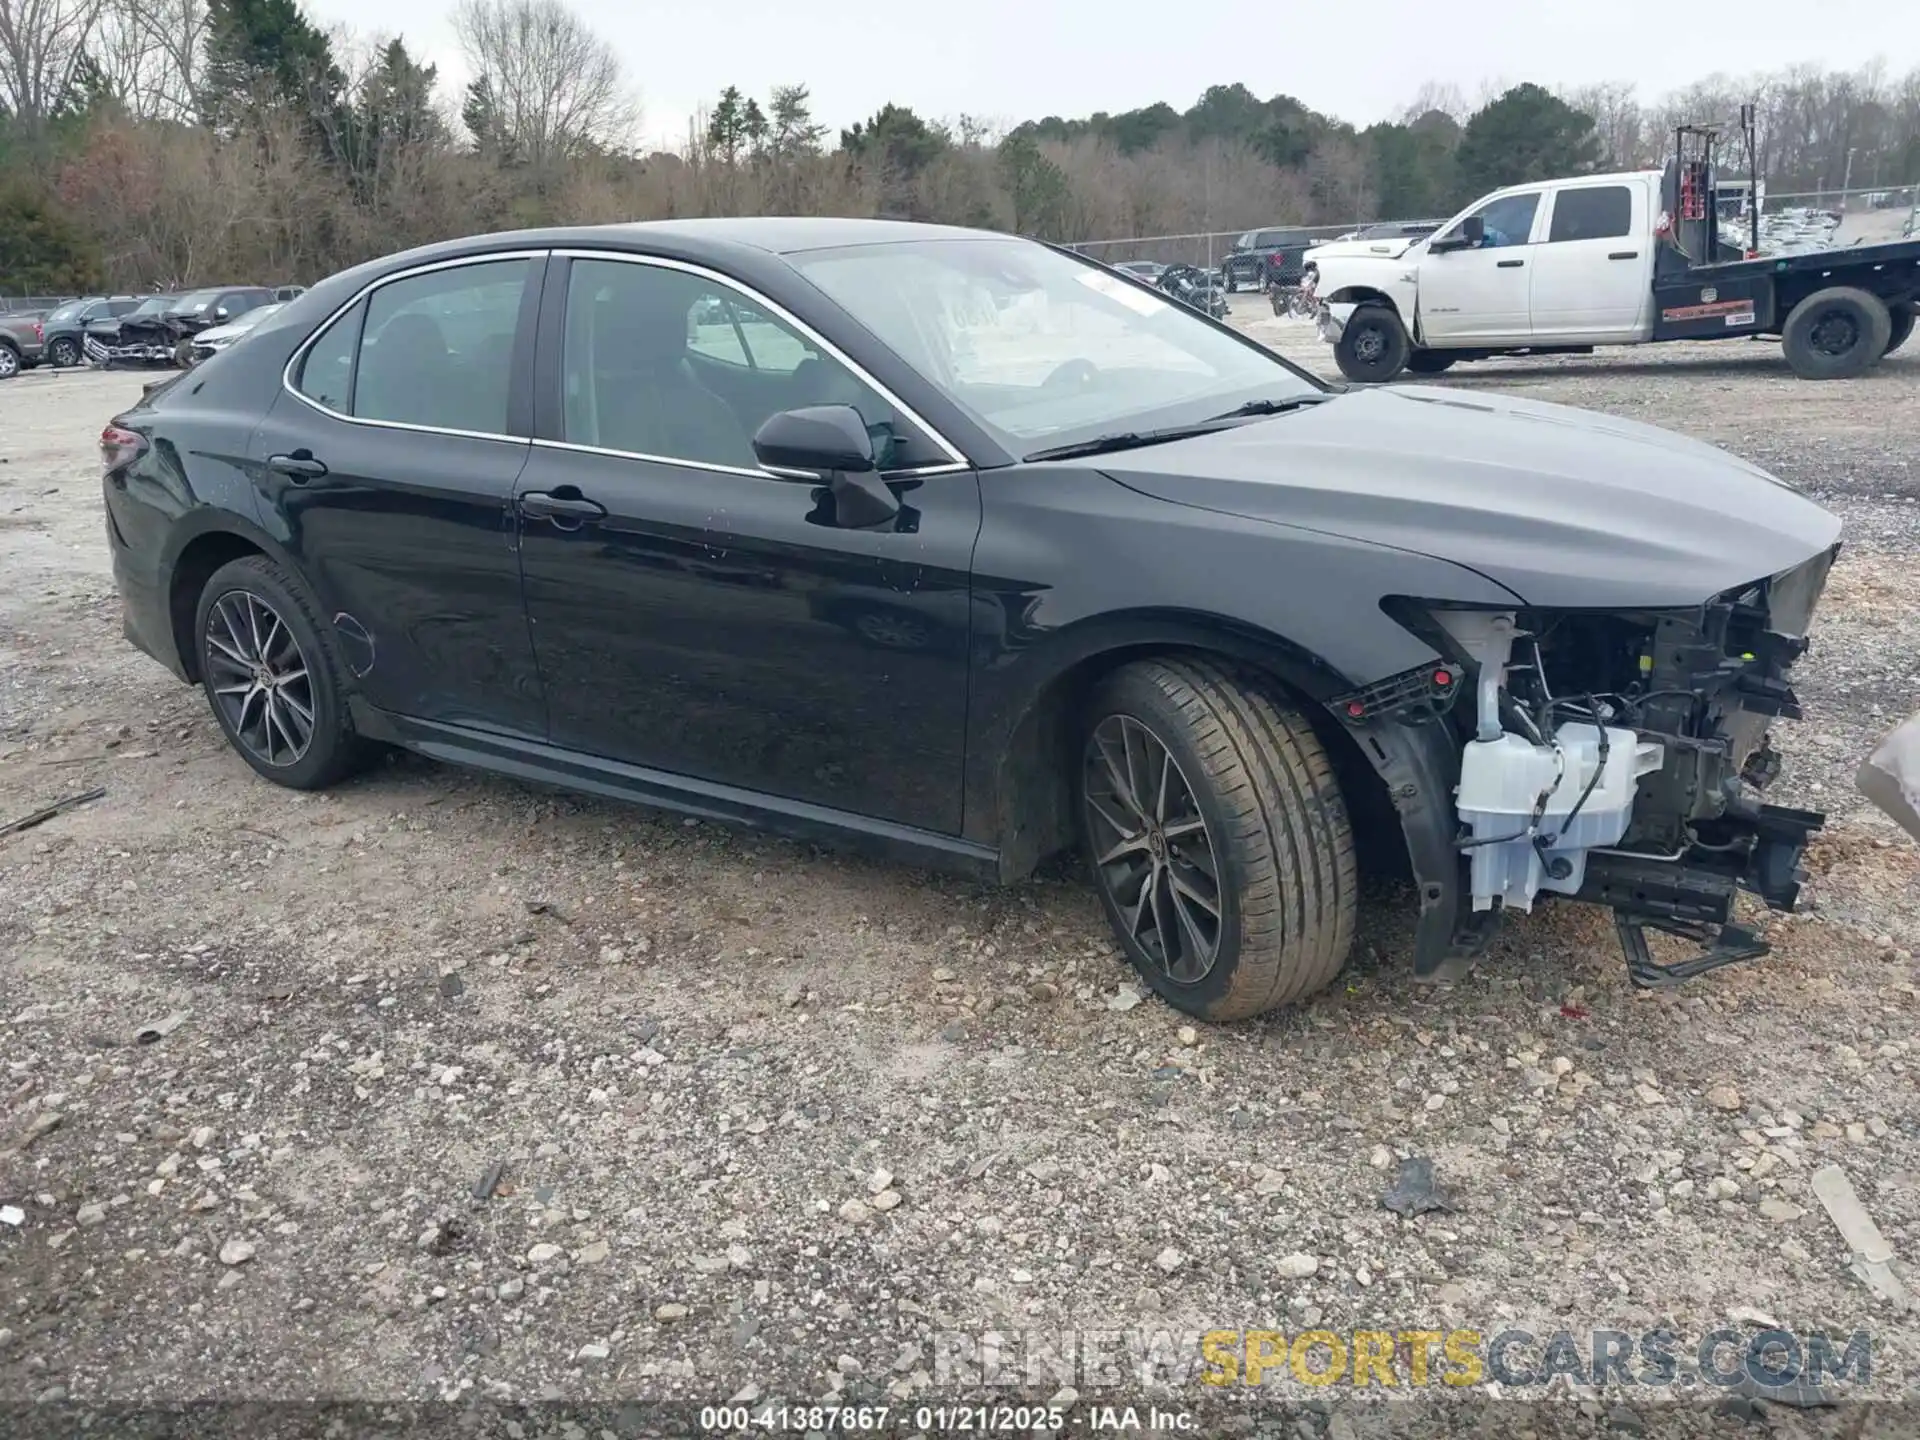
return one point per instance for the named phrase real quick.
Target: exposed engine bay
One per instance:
(1619, 757)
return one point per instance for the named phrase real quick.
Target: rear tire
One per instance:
(1374, 346)
(1836, 334)
(1184, 756)
(10, 365)
(255, 621)
(1430, 362)
(1902, 318)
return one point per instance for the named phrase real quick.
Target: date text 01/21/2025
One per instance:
(932, 1419)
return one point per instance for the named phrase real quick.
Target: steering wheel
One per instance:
(1077, 371)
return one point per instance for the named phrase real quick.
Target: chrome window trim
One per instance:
(956, 460)
(300, 353)
(760, 472)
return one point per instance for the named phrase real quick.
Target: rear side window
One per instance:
(326, 375)
(1599, 212)
(437, 349)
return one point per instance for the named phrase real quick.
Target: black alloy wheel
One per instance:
(1153, 854)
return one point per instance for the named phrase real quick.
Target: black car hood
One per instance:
(1563, 507)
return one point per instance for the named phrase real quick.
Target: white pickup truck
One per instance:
(1561, 266)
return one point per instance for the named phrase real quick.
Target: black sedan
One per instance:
(972, 551)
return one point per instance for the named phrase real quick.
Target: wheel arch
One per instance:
(203, 542)
(1031, 735)
(1365, 295)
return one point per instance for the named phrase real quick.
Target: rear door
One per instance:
(1592, 271)
(1482, 296)
(387, 465)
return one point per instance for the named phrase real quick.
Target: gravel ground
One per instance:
(766, 1119)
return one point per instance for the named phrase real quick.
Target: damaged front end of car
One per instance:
(1617, 757)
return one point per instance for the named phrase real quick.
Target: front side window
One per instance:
(1598, 212)
(664, 362)
(1509, 220)
(1041, 348)
(437, 349)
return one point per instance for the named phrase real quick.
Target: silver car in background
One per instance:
(211, 342)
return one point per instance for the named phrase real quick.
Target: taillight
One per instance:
(39, 331)
(120, 447)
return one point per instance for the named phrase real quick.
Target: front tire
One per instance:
(1373, 348)
(1836, 334)
(1902, 321)
(271, 675)
(1218, 837)
(63, 353)
(1430, 362)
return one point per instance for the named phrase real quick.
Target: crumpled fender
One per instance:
(1890, 778)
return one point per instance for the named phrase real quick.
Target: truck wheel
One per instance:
(1430, 362)
(1835, 334)
(9, 361)
(1218, 837)
(1902, 316)
(1374, 346)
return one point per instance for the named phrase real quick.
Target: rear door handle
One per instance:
(1624, 255)
(298, 467)
(1510, 264)
(567, 508)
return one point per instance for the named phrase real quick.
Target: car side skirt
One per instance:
(533, 761)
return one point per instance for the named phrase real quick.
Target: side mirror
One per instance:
(1472, 231)
(817, 440)
(220, 312)
(829, 443)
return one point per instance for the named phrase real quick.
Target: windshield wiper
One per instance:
(1274, 407)
(1122, 440)
(1135, 439)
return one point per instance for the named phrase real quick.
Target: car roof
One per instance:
(772, 235)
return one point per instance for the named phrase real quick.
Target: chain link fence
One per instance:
(1862, 214)
(1205, 248)
(30, 304)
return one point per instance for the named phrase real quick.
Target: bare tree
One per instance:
(148, 52)
(40, 43)
(555, 89)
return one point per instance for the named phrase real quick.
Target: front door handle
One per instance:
(299, 467)
(1510, 264)
(566, 507)
(1624, 255)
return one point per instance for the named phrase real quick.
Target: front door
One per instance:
(389, 477)
(693, 614)
(1482, 295)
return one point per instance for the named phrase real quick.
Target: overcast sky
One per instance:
(1011, 60)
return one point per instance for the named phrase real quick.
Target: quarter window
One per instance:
(437, 349)
(326, 374)
(1597, 212)
(662, 362)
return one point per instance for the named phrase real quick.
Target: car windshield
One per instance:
(155, 305)
(1035, 344)
(66, 312)
(199, 300)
